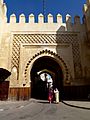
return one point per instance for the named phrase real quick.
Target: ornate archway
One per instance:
(43, 60)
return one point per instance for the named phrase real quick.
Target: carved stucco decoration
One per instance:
(62, 38)
(51, 54)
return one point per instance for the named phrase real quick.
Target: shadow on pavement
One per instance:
(43, 102)
(76, 106)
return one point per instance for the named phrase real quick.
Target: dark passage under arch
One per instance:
(45, 65)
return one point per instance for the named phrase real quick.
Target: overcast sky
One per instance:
(72, 7)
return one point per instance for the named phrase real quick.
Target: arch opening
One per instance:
(45, 68)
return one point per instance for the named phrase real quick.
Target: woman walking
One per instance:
(50, 95)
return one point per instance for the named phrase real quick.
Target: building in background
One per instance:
(62, 50)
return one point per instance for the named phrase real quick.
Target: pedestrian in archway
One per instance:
(56, 92)
(50, 95)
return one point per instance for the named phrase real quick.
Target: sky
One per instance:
(72, 7)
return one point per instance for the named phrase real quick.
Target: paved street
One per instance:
(42, 110)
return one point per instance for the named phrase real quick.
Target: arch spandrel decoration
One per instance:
(48, 53)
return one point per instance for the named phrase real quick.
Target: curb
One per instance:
(71, 105)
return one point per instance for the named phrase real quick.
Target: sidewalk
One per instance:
(78, 104)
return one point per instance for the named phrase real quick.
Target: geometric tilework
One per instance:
(70, 38)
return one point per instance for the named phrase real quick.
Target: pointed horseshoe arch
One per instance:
(50, 54)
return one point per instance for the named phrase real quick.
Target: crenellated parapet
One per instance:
(59, 19)
(22, 18)
(46, 23)
(31, 18)
(13, 18)
(49, 21)
(41, 18)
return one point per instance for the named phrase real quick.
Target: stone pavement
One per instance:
(16, 104)
(42, 110)
(6, 105)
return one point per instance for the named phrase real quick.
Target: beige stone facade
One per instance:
(23, 47)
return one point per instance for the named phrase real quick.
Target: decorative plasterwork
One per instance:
(48, 52)
(67, 38)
